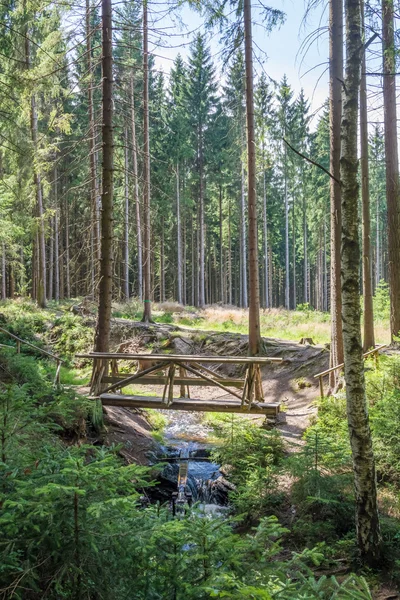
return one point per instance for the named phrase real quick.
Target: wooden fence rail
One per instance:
(374, 352)
(19, 341)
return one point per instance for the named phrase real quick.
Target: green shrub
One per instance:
(71, 336)
(253, 455)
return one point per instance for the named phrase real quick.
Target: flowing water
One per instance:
(187, 437)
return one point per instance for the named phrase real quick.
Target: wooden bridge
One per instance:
(244, 394)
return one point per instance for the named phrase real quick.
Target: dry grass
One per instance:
(275, 323)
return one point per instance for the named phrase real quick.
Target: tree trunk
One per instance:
(305, 250)
(3, 272)
(229, 257)
(126, 223)
(146, 172)
(221, 252)
(335, 115)
(369, 337)
(201, 298)
(162, 262)
(392, 164)
(56, 255)
(136, 196)
(67, 269)
(51, 260)
(367, 521)
(243, 274)
(294, 255)
(41, 280)
(92, 158)
(287, 261)
(378, 246)
(102, 340)
(254, 296)
(179, 235)
(265, 230)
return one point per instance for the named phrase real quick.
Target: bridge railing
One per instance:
(374, 352)
(19, 341)
(185, 371)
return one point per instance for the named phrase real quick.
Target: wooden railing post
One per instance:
(57, 377)
(321, 387)
(18, 347)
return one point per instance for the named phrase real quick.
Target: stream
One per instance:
(186, 435)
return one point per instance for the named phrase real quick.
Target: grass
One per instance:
(72, 376)
(275, 323)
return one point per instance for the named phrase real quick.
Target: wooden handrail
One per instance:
(45, 352)
(181, 358)
(374, 351)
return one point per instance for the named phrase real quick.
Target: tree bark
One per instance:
(179, 234)
(41, 278)
(92, 157)
(287, 261)
(3, 272)
(102, 340)
(369, 337)
(392, 164)
(243, 274)
(56, 254)
(335, 114)
(254, 291)
(202, 241)
(126, 223)
(136, 195)
(51, 260)
(221, 251)
(265, 230)
(67, 257)
(367, 520)
(146, 172)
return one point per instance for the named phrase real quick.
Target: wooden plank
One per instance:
(181, 358)
(226, 406)
(159, 380)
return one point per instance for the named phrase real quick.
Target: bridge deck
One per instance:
(189, 404)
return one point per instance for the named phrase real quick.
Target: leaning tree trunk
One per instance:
(392, 164)
(106, 262)
(146, 172)
(335, 114)
(254, 291)
(367, 520)
(369, 337)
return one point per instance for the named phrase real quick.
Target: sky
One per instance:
(277, 53)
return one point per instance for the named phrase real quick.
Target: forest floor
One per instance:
(139, 434)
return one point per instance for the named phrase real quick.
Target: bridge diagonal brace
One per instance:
(213, 381)
(138, 375)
